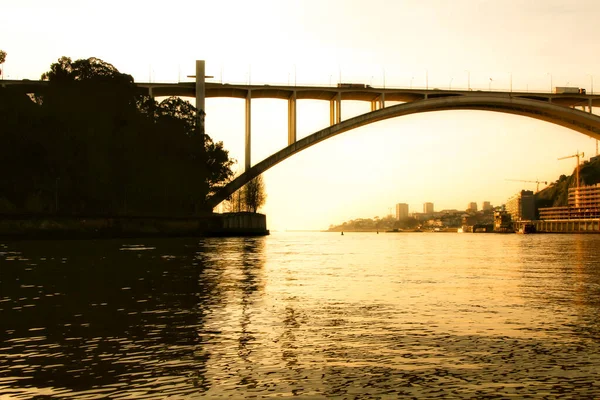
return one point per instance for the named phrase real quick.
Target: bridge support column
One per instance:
(378, 103)
(247, 163)
(292, 119)
(200, 93)
(338, 108)
(331, 112)
(335, 110)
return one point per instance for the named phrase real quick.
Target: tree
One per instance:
(2, 59)
(91, 142)
(249, 197)
(235, 202)
(254, 194)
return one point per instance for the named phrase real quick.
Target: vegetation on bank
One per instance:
(375, 224)
(91, 144)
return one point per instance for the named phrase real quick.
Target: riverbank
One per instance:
(442, 230)
(90, 227)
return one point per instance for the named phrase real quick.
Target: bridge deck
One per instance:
(327, 93)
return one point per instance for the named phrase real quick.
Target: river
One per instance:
(425, 315)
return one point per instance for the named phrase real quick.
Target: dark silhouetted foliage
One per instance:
(249, 198)
(254, 194)
(90, 144)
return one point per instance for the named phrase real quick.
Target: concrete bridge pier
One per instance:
(247, 163)
(292, 119)
(335, 110)
(200, 92)
(378, 103)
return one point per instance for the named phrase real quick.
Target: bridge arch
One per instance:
(580, 121)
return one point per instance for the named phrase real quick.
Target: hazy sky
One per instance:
(449, 158)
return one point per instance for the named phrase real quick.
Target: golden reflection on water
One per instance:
(312, 314)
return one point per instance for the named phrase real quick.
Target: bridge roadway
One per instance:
(327, 93)
(568, 110)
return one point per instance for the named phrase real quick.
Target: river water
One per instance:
(364, 315)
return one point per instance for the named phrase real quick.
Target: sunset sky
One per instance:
(449, 158)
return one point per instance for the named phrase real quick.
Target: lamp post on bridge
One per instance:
(550, 73)
(591, 83)
(468, 79)
(450, 84)
(411, 79)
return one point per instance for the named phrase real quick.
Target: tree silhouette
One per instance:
(2, 59)
(254, 194)
(90, 143)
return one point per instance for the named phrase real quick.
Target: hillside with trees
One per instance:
(91, 144)
(375, 224)
(556, 194)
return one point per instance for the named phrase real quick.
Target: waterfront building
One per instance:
(521, 206)
(428, 208)
(487, 206)
(401, 211)
(502, 222)
(472, 207)
(584, 202)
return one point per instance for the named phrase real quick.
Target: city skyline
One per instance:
(446, 157)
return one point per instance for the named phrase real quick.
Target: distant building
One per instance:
(487, 206)
(472, 207)
(502, 222)
(401, 211)
(521, 206)
(427, 208)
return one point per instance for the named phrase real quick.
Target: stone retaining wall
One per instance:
(229, 224)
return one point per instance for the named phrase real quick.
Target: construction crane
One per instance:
(576, 168)
(537, 189)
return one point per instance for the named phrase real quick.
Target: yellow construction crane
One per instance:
(537, 188)
(577, 167)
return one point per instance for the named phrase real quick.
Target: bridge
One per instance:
(572, 110)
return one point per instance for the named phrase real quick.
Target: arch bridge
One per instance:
(570, 110)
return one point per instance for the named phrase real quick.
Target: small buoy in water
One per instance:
(342, 233)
